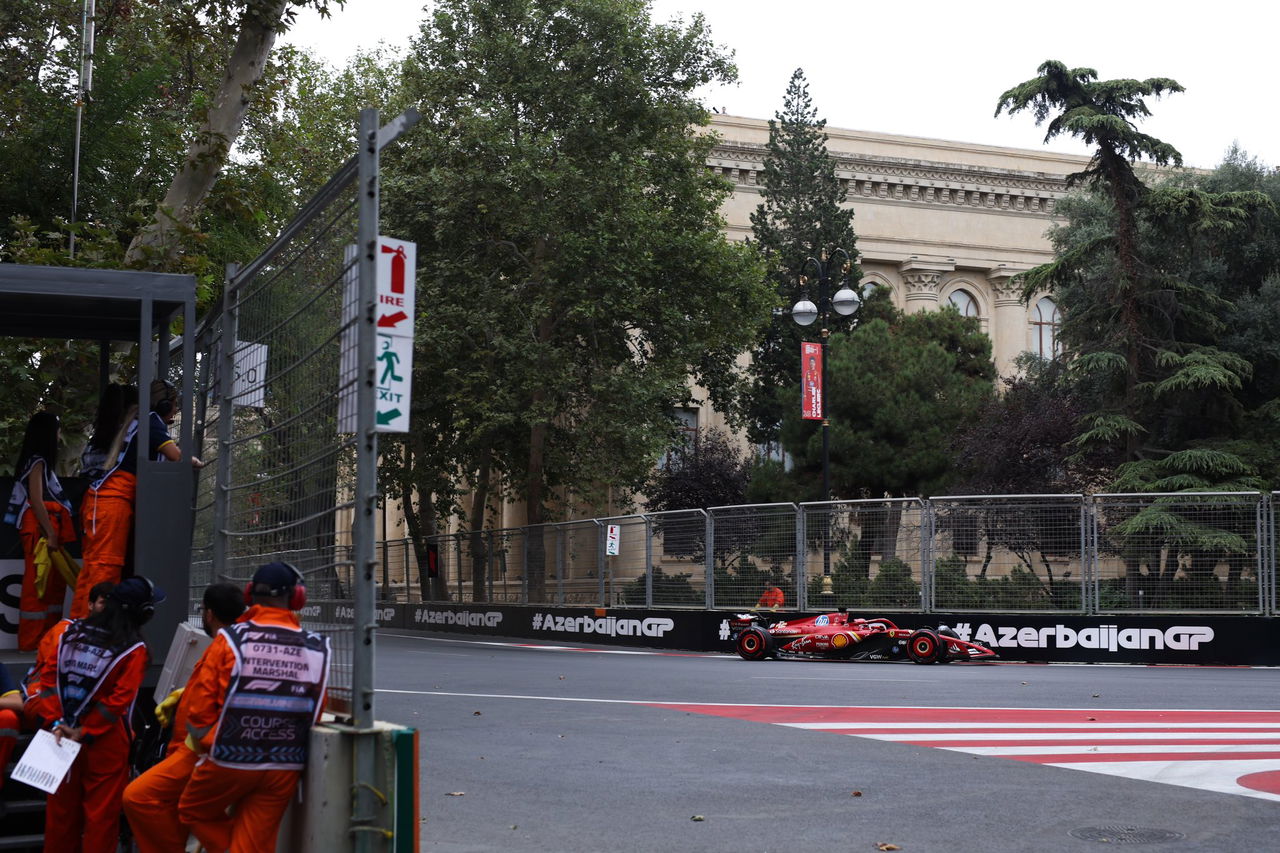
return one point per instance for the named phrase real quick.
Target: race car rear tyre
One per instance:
(754, 644)
(923, 646)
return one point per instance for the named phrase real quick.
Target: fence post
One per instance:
(1261, 551)
(602, 561)
(928, 526)
(802, 581)
(648, 561)
(457, 563)
(226, 416)
(365, 807)
(709, 537)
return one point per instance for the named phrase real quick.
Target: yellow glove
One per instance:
(165, 710)
(194, 745)
(43, 563)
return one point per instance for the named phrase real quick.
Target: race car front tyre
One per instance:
(754, 644)
(923, 646)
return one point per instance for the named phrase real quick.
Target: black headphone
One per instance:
(164, 398)
(141, 613)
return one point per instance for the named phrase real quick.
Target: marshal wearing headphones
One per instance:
(137, 597)
(277, 580)
(259, 692)
(165, 400)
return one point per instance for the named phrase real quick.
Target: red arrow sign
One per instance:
(392, 320)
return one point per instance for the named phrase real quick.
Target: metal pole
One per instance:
(87, 24)
(226, 373)
(386, 564)
(824, 312)
(365, 808)
(648, 561)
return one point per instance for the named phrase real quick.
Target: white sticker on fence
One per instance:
(396, 266)
(613, 540)
(250, 386)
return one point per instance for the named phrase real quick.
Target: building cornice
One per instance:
(907, 180)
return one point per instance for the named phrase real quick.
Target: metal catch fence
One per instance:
(1099, 554)
(285, 470)
(286, 420)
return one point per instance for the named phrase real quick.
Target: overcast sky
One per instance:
(936, 69)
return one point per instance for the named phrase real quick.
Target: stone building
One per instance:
(938, 222)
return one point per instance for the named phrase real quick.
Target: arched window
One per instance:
(964, 303)
(1045, 320)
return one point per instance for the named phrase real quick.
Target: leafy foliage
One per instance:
(801, 216)
(899, 389)
(706, 472)
(572, 269)
(1018, 442)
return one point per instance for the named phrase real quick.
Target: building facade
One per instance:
(938, 222)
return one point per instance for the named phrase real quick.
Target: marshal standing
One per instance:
(250, 715)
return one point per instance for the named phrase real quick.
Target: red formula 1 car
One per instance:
(839, 636)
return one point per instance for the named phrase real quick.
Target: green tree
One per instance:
(253, 26)
(572, 270)
(705, 472)
(898, 392)
(1137, 326)
(801, 215)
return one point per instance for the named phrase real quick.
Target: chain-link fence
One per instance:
(1013, 552)
(1183, 552)
(285, 467)
(865, 553)
(1187, 551)
(753, 551)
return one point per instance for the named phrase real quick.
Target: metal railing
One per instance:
(1096, 554)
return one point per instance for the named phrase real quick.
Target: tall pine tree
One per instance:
(801, 216)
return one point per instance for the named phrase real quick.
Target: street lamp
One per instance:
(845, 302)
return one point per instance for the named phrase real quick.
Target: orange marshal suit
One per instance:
(260, 796)
(84, 813)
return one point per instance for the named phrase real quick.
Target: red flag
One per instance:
(811, 381)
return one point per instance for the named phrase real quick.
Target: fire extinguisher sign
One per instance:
(397, 264)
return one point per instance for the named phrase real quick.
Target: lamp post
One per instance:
(845, 301)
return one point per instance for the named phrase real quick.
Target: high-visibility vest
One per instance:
(274, 696)
(84, 662)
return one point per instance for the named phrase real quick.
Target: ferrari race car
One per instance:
(839, 636)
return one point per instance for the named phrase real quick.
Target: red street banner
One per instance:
(811, 381)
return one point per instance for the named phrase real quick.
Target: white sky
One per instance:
(936, 69)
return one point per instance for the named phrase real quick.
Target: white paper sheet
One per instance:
(45, 763)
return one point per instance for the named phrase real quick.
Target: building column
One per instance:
(922, 282)
(1009, 325)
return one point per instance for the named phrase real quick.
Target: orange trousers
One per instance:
(107, 518)
(38, 613)
(84, 814)
(151, 804)
(260, 798)
(10, 725)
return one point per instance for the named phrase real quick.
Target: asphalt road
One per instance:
(556, 748)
